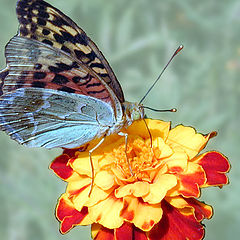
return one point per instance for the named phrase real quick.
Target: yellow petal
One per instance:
(157, 128)
(159, 188)
(177, 161)
(107, 212)
(143, 215)
(177, 202)
(161, 149)
(104, 180)
(97, 195)
(82, 164)
(79, 191)
(187, 139)
(137, 189)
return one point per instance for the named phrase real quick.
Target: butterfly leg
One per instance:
(125, 135)
(150, 136)
(91, 163)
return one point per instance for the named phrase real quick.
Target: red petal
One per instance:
(190, 182)
(139, 234)
(105, 234)
(71, 152)
(215, 166)
(176, 226)
(60, 167)
(124, 232)
(201, 210)
(69, 216)
(129, 232)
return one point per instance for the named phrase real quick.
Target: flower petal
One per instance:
(81, 164)
(137, 189)
(187, 139)
(157, 128)
(60, 167)
(104, 180)
(201, 210)
(101, 233)
(177, 162)
(215, 166)
(161, 149)
(141, 214)
(69, 216)
(176, 224)
(190, 181)
(158, 189)
(126, 232)
(107, 212)
(129, 232)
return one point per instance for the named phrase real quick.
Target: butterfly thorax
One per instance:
(132, 112)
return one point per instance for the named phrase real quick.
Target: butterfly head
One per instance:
(132, 112)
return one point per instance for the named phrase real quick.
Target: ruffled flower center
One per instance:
(136, 161)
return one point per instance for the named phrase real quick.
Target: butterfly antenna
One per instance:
(174, 54)
(161, 110)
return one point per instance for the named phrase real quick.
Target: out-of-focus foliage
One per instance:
(138, 37)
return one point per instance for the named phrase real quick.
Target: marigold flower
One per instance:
(156, 202)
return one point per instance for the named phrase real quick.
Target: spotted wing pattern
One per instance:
(34, 64)
(41, 21)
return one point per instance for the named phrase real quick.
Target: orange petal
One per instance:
(101, 233)
(215, 166)
(107, 212)
(190, 181)
(69, 216)
(141, 214)
(187, 138)
(200, 209)
(137, 189)
(176, 225)
(158, 189)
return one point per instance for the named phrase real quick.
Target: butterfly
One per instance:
(58, 90)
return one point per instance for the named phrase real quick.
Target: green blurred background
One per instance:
(138, 37)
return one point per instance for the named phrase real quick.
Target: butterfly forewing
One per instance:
(34, 64)
(39, 20)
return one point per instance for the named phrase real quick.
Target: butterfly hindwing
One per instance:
(41, 21)
(49, 118)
